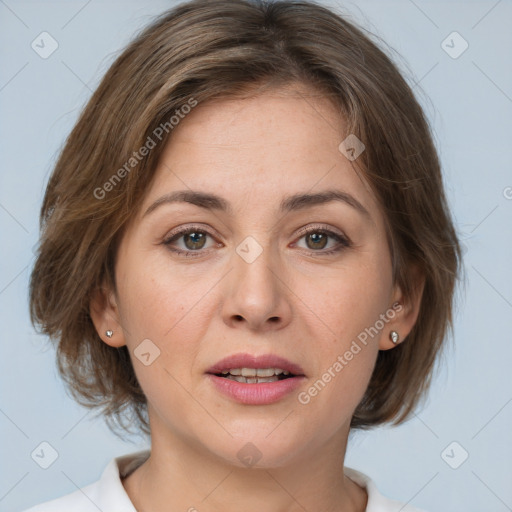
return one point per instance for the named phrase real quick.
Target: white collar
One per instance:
(108, 493)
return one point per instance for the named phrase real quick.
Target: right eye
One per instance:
(191, 241)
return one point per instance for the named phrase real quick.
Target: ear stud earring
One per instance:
(109, 333)
(394, 337)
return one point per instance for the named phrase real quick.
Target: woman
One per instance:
(246, 252)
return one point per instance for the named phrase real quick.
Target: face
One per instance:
(255, 274)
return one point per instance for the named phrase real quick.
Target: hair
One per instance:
(202, 51)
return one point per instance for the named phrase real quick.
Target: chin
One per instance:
(260, 448)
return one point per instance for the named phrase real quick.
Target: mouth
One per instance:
(255, 380)
(250, 369)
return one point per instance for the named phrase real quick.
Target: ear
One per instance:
(105, 317)
(406, 310)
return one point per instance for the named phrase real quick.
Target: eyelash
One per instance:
(343, 241)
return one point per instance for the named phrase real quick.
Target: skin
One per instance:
(292, 300)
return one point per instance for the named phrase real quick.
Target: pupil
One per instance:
(196, 240)
(319, 240)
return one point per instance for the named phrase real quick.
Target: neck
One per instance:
(182, 476)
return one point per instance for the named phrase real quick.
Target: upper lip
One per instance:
(251, 361)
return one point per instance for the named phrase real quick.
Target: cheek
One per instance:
(348, 309)
(157, 299)
(165, 307)
(169, 308)
(345, 363)
(350, 298)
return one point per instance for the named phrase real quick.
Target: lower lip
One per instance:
(256, 394)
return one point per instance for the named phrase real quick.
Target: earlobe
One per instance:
(105, 317)
(406, 311)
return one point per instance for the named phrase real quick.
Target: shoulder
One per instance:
(106, 494)
(376, 501)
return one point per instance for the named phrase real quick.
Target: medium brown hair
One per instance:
(204, 50)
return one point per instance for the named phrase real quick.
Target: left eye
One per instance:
(318, 239)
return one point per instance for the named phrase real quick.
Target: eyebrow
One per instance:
(292, 203)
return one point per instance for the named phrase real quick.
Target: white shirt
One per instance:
(108, 494)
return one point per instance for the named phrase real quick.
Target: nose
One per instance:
(256, 295)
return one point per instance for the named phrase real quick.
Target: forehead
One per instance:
(261, 147)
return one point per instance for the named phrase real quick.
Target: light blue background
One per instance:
(469, 102)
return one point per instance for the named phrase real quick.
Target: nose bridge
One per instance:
(253, 273)
(255, 291)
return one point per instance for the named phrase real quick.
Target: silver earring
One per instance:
(109, 333)
(394, 337)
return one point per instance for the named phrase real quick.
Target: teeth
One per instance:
(252, 380)
(267, 379)
(255, 372)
